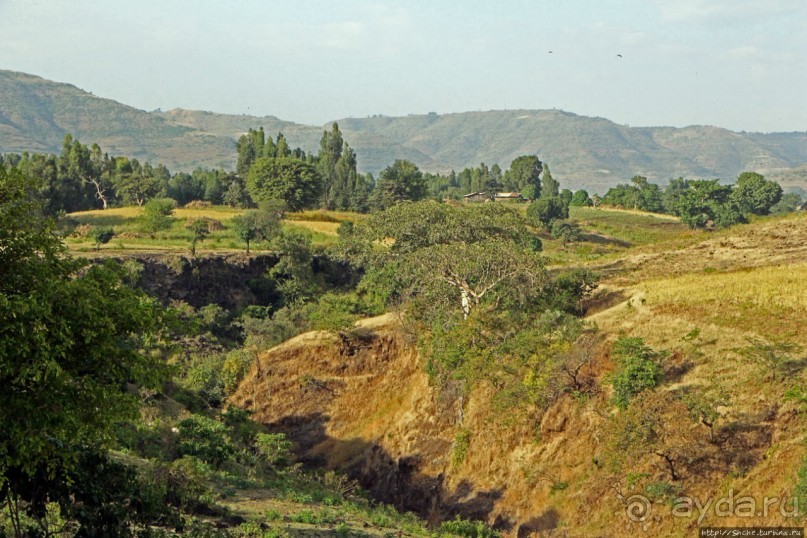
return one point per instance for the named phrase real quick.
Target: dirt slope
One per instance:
(367, 406)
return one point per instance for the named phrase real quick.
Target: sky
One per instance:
(739, 64)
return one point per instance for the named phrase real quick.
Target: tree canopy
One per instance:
(70, 343)
(295, 182)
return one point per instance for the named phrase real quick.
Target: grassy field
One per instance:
(320, 225)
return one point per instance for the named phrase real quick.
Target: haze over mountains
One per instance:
(581, 151)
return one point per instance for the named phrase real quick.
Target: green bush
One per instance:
(638, 369)
(206, 439)
(101, 236)
(157, 215)
(471, 529)
(461, 443)
(274, 447)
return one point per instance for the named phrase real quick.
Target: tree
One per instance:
(566, 197)
(545, 210)
(673, 193)
(448, 257)
(524, 176)
(200, 228)
(157, 215)
(400, 182)
(256, 226)
(466, 274)
(638, 369)
(707, 202)
(134, 183)
(73, 338)
(237, 195)
(249, 147)
(567, 232)
(549, 186)
(581, 199)
(789, 202)
(754, 194)
(101, 236)
(657, 424)
(295, 182)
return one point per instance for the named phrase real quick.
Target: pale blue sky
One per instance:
(740, 64)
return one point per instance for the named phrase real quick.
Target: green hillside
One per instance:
(584, 152)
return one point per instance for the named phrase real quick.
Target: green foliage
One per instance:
(294, 274)
(550, 187)
(706, 202)
(256, 226)
(544, 211)
(101, 236)
(400, 182)
(788, 203)
(200, 228)
(335, 312)
(158, 215)
(638, 369)
(274, 448)
(663, 491)
(798, 394)
(70, 343)
(754, 194)
(206, 439)
(567, 290)
(524, 176)
(642, 195)
(581, 199)
(469, 529)
(296, 182)
(566, 231)
(460, 449)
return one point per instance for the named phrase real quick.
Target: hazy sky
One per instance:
(740, 64)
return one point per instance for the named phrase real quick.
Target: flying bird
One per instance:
(549, 52)
(619, 55)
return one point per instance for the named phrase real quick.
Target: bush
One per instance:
(461, 443)
(638, 369)
(275, 448)
(205, 439)
(157, 215)
(101, 236)
(471, 529)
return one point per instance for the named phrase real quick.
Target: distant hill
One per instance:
(582, 151)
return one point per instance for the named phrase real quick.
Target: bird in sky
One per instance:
(619, 55)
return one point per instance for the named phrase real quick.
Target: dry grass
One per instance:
(770, 301)
(327, 228)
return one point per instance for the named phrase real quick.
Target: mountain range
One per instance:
(582, 151)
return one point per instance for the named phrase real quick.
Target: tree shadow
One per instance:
(547, 521)
(598, 239)
(391, 480)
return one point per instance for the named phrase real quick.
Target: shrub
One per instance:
(274, 447)
(205, 439)
(638, 369)
(101, 236)
(461, 443)
(471, 529)
(157, 215)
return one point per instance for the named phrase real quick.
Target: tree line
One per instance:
(702, 203)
